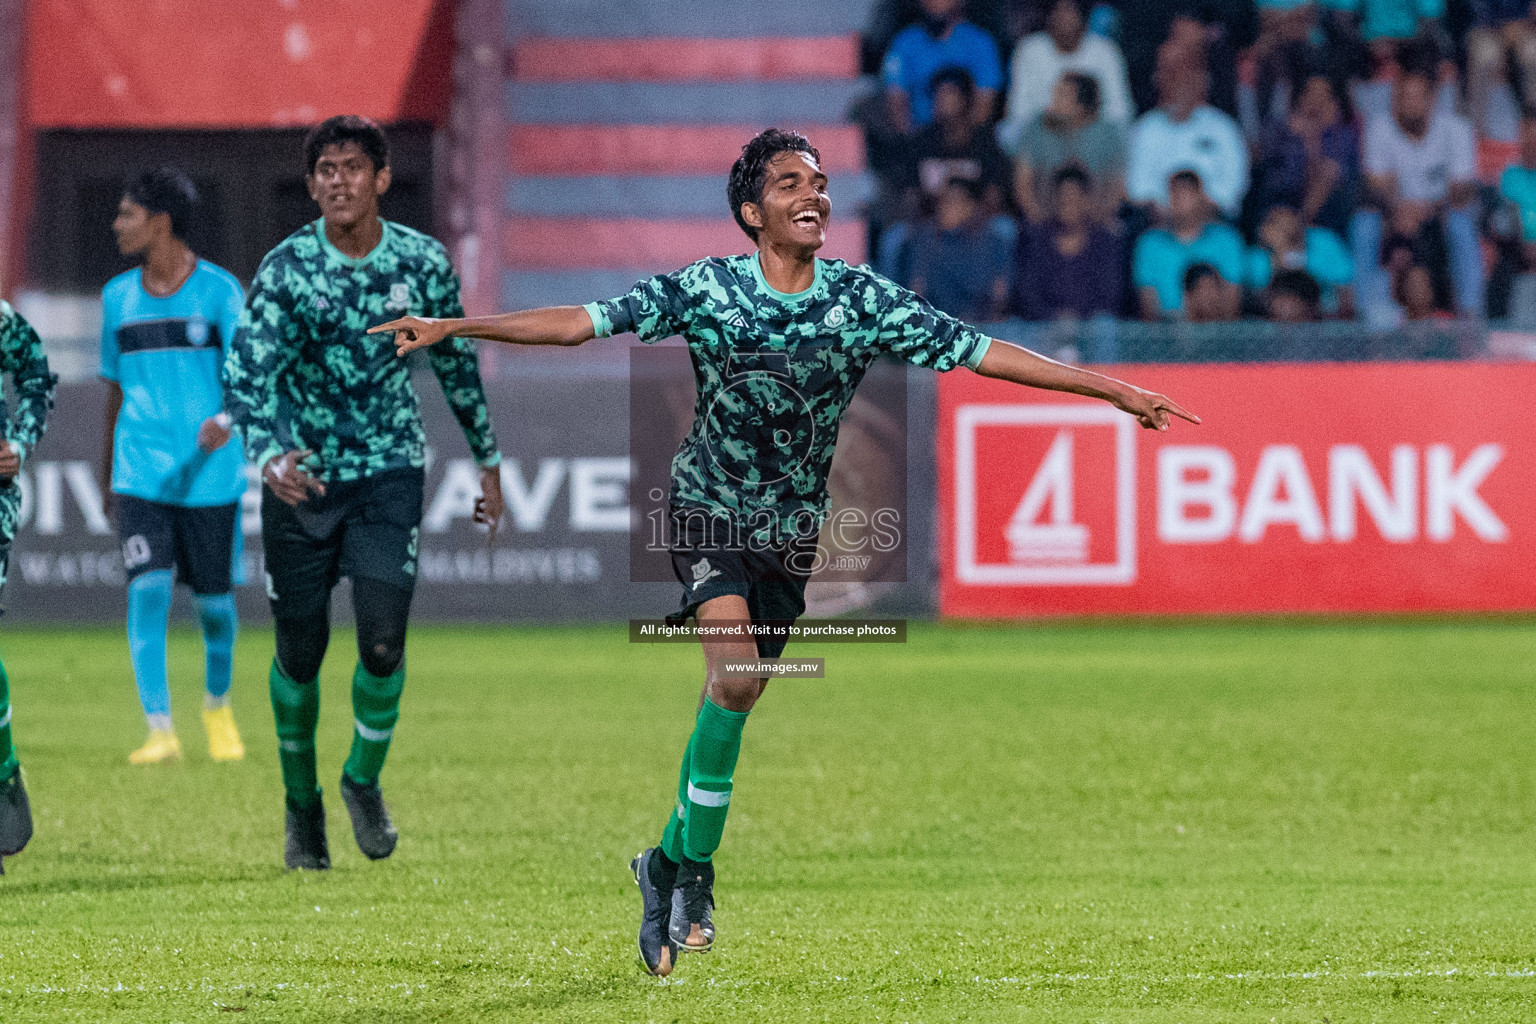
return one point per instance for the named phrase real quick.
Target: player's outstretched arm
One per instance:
(552, 325)
(1009, 362)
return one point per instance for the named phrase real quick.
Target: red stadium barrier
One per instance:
(560, 242)
(675, 60)
(662, 149)
(1309, 488)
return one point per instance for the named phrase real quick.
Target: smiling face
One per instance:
(346, 185)
(794, 210)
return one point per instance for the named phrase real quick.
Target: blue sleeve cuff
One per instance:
(602, 327)
(978, 352)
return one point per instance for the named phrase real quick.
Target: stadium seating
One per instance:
(618, 153)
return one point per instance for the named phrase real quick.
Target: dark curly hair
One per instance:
(344, 128)
(165, 190)
(749, 174)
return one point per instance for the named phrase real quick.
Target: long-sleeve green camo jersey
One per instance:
(21, 356)
(303, 373)
(776, 372)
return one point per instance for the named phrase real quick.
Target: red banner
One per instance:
(1309, 488)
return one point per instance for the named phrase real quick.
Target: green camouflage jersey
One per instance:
(303, 373)
(21, 356)
(776, 372)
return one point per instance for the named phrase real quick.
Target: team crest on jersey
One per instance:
(399, 297)
(836, 317)
(197, 330)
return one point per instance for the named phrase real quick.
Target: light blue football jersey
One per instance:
(167, 355)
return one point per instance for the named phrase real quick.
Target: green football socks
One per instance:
(375, 707)
(7, 752)
(672, 835)
(705, 788)
(296, 706)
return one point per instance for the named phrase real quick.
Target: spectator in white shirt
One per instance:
(1421, 175)
(1042, 58)
(1184, 132)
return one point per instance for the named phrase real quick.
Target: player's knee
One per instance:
(301, 647)
(736, 694)
(381, 658)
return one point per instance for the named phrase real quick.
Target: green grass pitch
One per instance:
(1150, 823)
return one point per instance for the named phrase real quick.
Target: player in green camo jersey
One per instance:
(779, 339)
(329, 415)
(21, 355)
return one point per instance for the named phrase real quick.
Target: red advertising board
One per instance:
(1309, 488)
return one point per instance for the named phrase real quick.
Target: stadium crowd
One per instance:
(1206, 160)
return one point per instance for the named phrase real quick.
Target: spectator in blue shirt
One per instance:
(1192, 235)
(943, 39)
(1285, 243)
(958, 262)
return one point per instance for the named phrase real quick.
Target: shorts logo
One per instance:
(399, 297)
(136, 551)
(271, 588)
(702, 573)
(197, 331)
(410, 552)
(835, 318)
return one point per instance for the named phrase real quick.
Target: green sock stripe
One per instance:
(375, 710)
(296, 710)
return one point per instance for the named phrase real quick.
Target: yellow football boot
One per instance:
(223, 738)
(162, 745)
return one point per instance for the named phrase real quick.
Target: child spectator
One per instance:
(1286, 244)
(1186, 132)
(1206, 299)
(1071, 266)
(919, 52)
(1413, 288)
(1070, 131)
(1042, 58)
(1294, 298)
(958, 262)
(1163, 254)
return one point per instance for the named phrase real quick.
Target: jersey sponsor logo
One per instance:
(735, 319)
(136, 551)
(703, 573)
(399, 297)
(1031, 503)
(197, 331)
